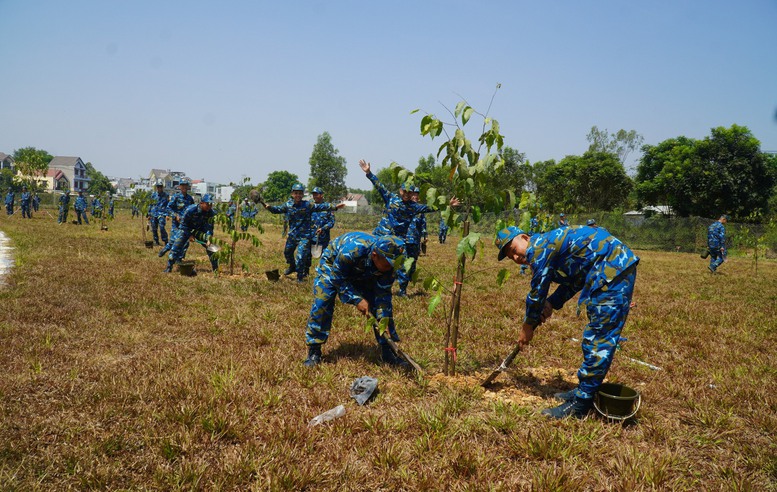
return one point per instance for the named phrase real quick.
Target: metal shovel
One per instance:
(398, 351)
(503, 366)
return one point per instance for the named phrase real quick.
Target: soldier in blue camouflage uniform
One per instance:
(716, 242)
(64, 204)
(580, 259)
(415, 234)
(175, 207)
(35, 202)
(135, 211)
(591, 223)
(97, 207)
(9, 199)
(231, 209)
(247, 212)
(359, 268)
(399, 209)
(298, 213)
(321, 222)
(443, 233)
(26, 202)
(196, 222)
(562, 220)
(111, 206)
(80, 207)
(158, 212)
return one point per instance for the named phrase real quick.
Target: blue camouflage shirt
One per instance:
(325, 221)
(159, 203)
(196, 221)
(299, 216)
(80, 204)
(9, 198)
(417, 230)
(26, 197)
(64, 200)
(716, 235)
(347, 264)
(178, 203)
(399, 213)
(580, 259)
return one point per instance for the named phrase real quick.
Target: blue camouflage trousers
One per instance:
(404, 277)
(62, 218)
(180, 245)
(158, 223)
(26, 211)
(320, 319)
(716, 258)
(442, 235)
(607, 313)
(81, 214)
(297, 254)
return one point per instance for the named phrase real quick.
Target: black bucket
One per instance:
(149, 244)
(617, 401)
(273, 275)
(186, 268)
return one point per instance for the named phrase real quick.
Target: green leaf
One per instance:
(434, 302)
(408, 263)
(414, 111)
(502, 276)
(476, 214)
(431, 196)
(509, 199)
(467, 115)
(459, 108)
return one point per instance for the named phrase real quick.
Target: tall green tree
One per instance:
(30, 161)
(724, 172)
(327, 168)
(591, 182)
(98, 182)
(621, 143)
(277, 188)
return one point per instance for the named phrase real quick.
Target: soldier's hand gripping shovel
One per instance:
(504, 365)
(398, 351)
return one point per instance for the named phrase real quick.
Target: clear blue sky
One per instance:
(227, 89)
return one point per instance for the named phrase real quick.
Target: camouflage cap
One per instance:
(318, 190)
(505, 237)
(390, 248)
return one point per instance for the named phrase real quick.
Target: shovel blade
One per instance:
(316, 251)
(504, 365)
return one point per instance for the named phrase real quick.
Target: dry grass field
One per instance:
(116, 376)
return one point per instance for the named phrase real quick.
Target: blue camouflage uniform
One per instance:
(135, 211)
(399, 213)
(346, 269)
(35, 202)
(111, 205)
(562, 221)
(603, 269)
(26, 202)
(415, 233)
(194, 222)
(97, 207)
(716, 242)
(324, 221)
(80, 207)
(443, 233)
(231, 209)
(9, 199)
(175, 208)
(247, 212)
(297, 250)
(64, 204)
(157, 214)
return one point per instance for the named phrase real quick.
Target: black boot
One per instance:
(566, 395)
(576, 407)
(162, 252)
(314, 356)
(290, 270)
(169, 268)
(389, 357)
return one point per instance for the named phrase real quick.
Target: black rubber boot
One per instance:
(170, 264)
(576, 407)
(314, 356)
(566, 395)
(290, 270)
(162, 252)
(389, 357)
